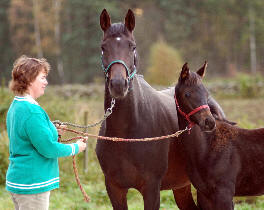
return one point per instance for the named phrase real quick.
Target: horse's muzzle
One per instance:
(208, 124)
(118, 87)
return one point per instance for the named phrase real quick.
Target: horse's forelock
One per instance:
(117, 30)
(193, 79)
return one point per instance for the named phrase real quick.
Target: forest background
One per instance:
(229, 34)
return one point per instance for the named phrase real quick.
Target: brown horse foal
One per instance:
(223, 160)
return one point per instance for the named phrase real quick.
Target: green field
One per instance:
(67, 105)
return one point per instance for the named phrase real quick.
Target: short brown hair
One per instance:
(25, 70)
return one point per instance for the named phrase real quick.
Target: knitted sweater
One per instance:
(33, 148)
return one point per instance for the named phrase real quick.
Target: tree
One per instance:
(6, 50)
(81, 37)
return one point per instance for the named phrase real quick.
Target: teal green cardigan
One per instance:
(33, 148)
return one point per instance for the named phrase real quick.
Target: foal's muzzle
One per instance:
(206, 121)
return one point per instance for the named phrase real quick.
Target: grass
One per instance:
(246, 112)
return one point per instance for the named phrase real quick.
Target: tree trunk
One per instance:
(37, 28)
(57, 33)
(252, 41)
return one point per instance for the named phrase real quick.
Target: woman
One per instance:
(34, 149)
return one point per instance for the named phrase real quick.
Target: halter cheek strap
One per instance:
(187, 116)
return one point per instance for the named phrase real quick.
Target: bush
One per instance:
(3, 156)
(242, 86)
(165, 63)
(6, 99)
(250, 86)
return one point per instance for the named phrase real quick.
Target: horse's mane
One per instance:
(167, 90)
(141, 80)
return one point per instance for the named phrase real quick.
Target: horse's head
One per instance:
(118, 53)
(192, 98)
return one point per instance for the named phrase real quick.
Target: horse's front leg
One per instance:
(151, 194)
(117, 195)
(183, 198)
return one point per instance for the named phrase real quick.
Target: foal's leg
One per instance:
(183, 198)
(117, 195)
(223, 199)
(151, 195)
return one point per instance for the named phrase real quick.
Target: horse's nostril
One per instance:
(126, 83)
(206, 122)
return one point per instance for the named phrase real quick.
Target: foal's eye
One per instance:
(187, 94)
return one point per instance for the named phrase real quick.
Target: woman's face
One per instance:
(37, 87)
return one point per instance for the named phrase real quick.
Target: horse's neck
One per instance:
(129, 107)
(194, 142)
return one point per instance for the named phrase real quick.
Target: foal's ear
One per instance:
(185, 72)
(201, 71)
(130, 20)
(105, 20)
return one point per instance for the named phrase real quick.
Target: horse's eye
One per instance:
(187, 94)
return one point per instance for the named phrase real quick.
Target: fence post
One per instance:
(85, 162)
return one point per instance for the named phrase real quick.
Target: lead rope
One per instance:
(176, 134)
(75, 170)
(86, 197)
(108, 112)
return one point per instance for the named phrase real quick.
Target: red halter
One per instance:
(187, 116)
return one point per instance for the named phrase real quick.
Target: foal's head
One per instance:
(118, 53)
(191, 94)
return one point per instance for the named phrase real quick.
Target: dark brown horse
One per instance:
(140, 111)
(223, 160)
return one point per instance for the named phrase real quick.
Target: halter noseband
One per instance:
(130, 74)
(187, 116)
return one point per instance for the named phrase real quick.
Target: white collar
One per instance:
(26, 98)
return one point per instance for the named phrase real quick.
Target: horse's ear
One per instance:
(130, 20)
(185, 72)
(105, 20)
(201, 71)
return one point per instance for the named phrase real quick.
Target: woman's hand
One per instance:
(82, 144)
(60, 129)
